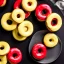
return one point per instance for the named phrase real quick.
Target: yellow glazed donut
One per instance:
(4, 22)
(50, 40)
(2, 3)
(54, 22)
(3, 59)
(29, 5)
(25, 28)
(4, 47)
(18, 15)
(18, 36)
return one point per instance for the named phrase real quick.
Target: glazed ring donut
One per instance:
(14, 56)
(39, 51)
(29, 5)
(50, 40)
(17, 36)
(42, 12)
(26, 24)
(4, 47)
(7, 23)
(18, 15)
(3, 59)
(54, 22)
(2, 3)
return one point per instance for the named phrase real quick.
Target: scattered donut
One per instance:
(2, 3)
(39, 51)
(18, 15)
(54, 22)
(17, 36)
(50, 40)
(3, 59)
(7, 23)
(29, 5)
(43, 11)
(14, 56)
(4, 48)
(25, 28)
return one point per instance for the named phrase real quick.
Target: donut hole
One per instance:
(9, 22)
(54, 22)
(18, 15)
(39, 50)
(26, 29)
(0, 60)
(2, 47)
(51, 40)
(15, 55)
(44, 11)
(29, 3)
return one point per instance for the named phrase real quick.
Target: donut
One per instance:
(50, 40)
(3, 59)
(18, 15)
(14, 56)
(25, 28)
(17, 4)
(29, 5)
(17, 36)
(42, 11)
(39, 51)
(2, 3)
(54, 22)
(7, 23)
(4, 47)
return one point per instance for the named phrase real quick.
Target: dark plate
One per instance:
(23, 45)
(52, 53)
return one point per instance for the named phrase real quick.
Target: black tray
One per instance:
(23, 45)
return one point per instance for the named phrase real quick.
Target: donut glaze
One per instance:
(27, 14)
(39, 51)
(1, 2)
(46, 9)
(14, 56)
(17, 4)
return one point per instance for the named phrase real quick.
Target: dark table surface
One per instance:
(23, 45)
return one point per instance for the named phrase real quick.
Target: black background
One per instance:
(23, 45)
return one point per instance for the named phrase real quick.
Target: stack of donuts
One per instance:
(16, 20)
(14, 55)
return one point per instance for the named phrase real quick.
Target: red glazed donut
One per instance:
(39, 51)
(17, 5)
(14, 56)
(42, 11)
